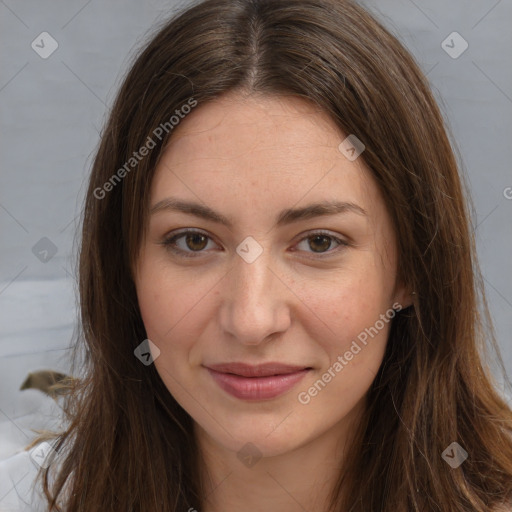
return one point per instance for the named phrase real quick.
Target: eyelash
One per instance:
(168, 243)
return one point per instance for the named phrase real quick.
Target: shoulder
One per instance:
(20, 489)
(20, 462)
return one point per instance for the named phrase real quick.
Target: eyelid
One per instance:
(169, 239)
(319, 232)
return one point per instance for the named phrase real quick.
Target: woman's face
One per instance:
(266, 278)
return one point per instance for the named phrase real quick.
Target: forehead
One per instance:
(235, 125)
(269, 151)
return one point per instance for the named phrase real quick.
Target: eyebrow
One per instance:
(286, 216)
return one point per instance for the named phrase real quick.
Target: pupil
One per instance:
(324, 246)
(193, 238)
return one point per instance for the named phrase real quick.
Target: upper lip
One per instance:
(260, 370)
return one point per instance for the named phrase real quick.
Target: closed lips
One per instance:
(262, 370)
(256, 382)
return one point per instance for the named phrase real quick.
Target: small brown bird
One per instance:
(48, 381)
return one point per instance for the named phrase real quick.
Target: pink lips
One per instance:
(259, 382)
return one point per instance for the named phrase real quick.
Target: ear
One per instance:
(403, 295)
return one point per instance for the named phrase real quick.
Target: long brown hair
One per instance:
(129, 445)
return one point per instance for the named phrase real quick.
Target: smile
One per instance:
(256, 382)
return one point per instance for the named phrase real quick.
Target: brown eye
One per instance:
(320, 243)
(196, 241)
(193, 243)
(187, 243)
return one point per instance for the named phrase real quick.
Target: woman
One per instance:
(278, 282)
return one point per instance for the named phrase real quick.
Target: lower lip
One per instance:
(256, 388)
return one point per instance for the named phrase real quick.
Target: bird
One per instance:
(49, 382)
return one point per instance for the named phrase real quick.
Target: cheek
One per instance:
(162, 301)
(153, 303)
(345, 304)
(354, 347)
(346, 320)
(175, 310)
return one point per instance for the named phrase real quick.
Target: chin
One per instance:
(258, 438)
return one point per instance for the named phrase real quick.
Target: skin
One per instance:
(248, 158)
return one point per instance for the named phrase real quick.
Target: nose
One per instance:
(256, 301)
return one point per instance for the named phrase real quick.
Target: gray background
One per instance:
(52, 110)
